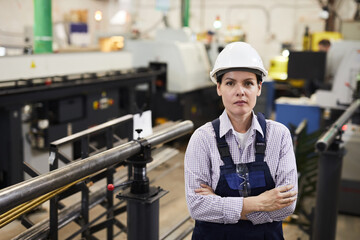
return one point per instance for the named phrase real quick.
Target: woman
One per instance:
(240, 169)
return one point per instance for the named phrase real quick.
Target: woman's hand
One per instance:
(204, 190)
(276, 198)
(270, 200)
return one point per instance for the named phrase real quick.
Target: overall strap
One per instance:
(222, 145)
(260, 143)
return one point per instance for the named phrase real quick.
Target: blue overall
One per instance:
(260, 181)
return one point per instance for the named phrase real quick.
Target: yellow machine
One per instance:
(278, 71)
(278, 68)
(316, 37)
(278, 64)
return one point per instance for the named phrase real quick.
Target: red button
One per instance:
(110, 187)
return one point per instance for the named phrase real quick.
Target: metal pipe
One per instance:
(70, 213)
(35, 187)
(298, 131)
(26, 207)
(92, 130)
(177, 226)
(185, 233)
(327, 138)
(14, 213)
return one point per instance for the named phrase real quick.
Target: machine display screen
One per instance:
(307, 65)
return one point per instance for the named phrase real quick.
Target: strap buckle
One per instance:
(260, 148)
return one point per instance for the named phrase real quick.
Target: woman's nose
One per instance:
(240, 91)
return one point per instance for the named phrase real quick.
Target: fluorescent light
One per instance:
(2, 51)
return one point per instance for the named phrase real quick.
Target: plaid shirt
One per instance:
(202, 165)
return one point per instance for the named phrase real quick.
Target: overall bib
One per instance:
(260, 181)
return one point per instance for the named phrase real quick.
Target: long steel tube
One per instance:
(71, 212)
(327, 138)
(35, 187)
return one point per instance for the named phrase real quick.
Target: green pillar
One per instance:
(42, 26)
(185, 12)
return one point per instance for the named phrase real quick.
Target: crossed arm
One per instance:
(268, 201)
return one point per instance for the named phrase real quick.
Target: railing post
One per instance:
(110, 204)
(54, 217)
(328, 188)
(85, 191)
(110, 180)
(54, 202)
(142, 200)
(85, 210)
(85, 147)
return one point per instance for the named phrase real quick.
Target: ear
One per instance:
(218, 89)
(259, 89)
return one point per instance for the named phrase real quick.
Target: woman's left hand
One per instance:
(204, 190)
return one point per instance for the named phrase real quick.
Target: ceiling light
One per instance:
(98, 16)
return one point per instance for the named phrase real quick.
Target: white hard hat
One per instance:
(238, 55)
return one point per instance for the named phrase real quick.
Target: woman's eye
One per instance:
(229, 83)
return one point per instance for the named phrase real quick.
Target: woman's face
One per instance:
(239, 91)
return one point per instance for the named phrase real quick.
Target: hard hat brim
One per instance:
(214, 75)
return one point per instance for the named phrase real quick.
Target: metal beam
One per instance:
(35, 187)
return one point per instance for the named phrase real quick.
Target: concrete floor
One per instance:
(173, 210)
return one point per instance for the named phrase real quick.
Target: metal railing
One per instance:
(328, 138)
(329, 176)
(108, 131)
(35, 187)
(41, 185)
(72, 212)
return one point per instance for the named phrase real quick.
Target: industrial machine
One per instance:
(302, 64)
(50, 96)
(187, 62)
(342, 71)
(186, 91)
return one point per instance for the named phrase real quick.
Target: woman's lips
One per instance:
(241, 102)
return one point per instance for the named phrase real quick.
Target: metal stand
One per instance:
(142, 200)
(329, 176)
(328, 188)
